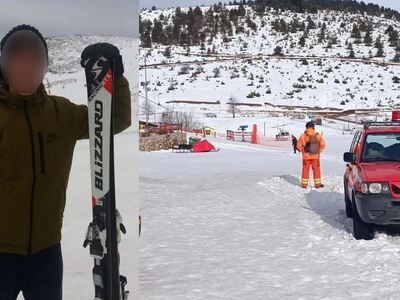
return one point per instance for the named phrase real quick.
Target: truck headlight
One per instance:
(375, 188)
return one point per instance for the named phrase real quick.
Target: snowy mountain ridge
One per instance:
(325, 59)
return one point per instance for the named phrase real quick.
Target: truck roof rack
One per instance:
(390, 123)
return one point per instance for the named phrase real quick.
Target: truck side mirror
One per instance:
(350, 157)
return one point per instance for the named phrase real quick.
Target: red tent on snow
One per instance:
(203, 146)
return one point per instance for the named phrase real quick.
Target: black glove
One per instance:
(106, 50)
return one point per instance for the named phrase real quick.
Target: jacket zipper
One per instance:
(29, 248)
(42, 161)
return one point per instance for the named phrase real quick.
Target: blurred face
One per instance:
(310, 130)
(24, 66)
(24, 73)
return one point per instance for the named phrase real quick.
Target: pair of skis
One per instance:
(103, 234)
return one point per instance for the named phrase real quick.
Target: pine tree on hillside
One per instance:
(389, 29)
(145, 29)
(380, 52)
(167, 52)
(241, 10)
(355, 33)
(197, 26)
(397, 55)
(225, 23)
(278, 50)
(365, 26)
(157, 32)
(394, 38)
(302, 40)
(321, 35)
(351, 53)
(303, 27)
(279, 25)
(189, 24)
(176, 37)
(310, 23)
(368, 38)
(378, 45)
(378, 42)
(209, 21)
(251, 24)
(234, 16)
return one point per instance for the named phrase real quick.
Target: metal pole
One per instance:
(274, 105)
(264, 129)
(362, 107)
(145, 91)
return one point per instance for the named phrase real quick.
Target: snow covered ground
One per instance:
(235, 225)
(327, 83)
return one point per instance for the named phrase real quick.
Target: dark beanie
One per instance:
(23, 27)
(310, 125)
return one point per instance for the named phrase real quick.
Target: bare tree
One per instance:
(232, 106)
(188, 120)
(147, 107)
(167, 117)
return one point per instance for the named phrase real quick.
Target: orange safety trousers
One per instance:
(315, 165)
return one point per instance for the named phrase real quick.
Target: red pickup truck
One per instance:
(372, 178)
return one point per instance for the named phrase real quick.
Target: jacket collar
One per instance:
(18, 101)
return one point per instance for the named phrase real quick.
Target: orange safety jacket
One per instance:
(303, 140)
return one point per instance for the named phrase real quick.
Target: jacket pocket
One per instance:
(41, 149)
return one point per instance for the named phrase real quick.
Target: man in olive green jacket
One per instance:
(38, 133)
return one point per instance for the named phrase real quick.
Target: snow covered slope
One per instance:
(318, 74)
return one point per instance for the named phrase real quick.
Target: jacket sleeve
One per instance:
(321, 144)
(122, 111)
(300, 144)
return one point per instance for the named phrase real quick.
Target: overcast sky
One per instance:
(395, 4)
(69, 17)
(168, 3)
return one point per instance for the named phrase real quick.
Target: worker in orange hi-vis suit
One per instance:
(311, 144)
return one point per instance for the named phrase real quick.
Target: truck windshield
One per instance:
(382, 147)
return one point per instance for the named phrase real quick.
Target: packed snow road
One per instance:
(235, 225)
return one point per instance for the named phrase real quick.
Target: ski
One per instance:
(103, 233)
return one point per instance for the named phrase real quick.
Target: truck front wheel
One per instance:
(347, 202)
(361, 230)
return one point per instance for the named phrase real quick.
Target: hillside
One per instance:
(338, 58)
